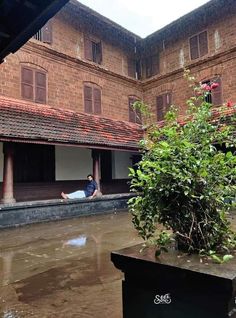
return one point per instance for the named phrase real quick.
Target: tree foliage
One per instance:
(186, 179)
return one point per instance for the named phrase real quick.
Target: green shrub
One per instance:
(186, 179)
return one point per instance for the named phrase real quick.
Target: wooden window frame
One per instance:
(134, 117)
(152, 65)
(134, 67)
(165, 105)
(131, 64)
(34, 85)
(91, 52)
(199, 54)
(215, 97)
(45, 34)
(95, 100)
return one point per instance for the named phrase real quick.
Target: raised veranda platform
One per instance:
(22, 213)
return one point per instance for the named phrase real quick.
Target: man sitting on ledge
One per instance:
(90, 191)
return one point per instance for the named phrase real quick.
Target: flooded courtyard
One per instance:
(63, 269)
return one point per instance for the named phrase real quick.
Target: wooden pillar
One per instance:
(96, 166)
(7, 188)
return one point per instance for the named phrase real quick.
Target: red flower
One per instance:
(229, 103)
(205, 87)
(214, 85)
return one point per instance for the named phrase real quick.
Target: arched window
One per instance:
(34, 84)
(92, 98)
(163, 103)
(134, 114)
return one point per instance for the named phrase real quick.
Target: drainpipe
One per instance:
(7, 188)
(96, 166)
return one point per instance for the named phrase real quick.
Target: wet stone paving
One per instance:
(63, 269)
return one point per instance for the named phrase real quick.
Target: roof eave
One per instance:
(26, 33)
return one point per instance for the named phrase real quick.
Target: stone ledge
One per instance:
(22, 213)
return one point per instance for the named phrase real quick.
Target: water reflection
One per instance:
(78, 241)
(63, 269)
(9, 314)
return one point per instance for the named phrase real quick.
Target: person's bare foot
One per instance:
(64, 195)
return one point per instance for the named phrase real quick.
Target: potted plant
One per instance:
(185, 185)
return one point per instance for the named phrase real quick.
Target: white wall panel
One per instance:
(121, 161)
(72, 163)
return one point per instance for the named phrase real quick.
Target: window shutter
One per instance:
(97, 100)
(216, 94)
(47, 32)
(168, 98)
(148, 67)
(131, 110)
(40, 87)
(155, 64)
(88, 99)
(27, 83)
(160, 108)
(131, 68)
(138, 69)
(143, 68)
(98, 58)
(203, 43)
(88, 52)
(138, 116)
(193, 42)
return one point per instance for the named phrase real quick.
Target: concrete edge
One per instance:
(23, 213)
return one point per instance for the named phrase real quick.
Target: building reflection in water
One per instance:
(53, 263)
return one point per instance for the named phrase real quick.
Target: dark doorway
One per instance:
(135, 161)
(34, 163)
(106, 165)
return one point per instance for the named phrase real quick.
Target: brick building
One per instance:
(66, 95)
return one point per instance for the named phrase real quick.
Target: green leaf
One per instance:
(227, 258)
(216, 258)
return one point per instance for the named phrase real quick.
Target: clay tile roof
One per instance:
(227, 115)
(28, 122)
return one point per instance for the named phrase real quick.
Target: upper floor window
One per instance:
(198, 45)
(152, 65)
(93, 50)
(45, 33)
(134, 68)
(92, 99)
(134, 114)
(131, 67)
(214, 95)
(34, 85)
(163, 103)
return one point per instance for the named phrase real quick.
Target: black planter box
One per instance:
(175, 285)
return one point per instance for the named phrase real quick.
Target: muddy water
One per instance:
(63, 269)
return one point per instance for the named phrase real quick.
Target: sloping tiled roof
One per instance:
(225, 113)
(36, 123)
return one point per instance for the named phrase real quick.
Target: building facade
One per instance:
(79, 76)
